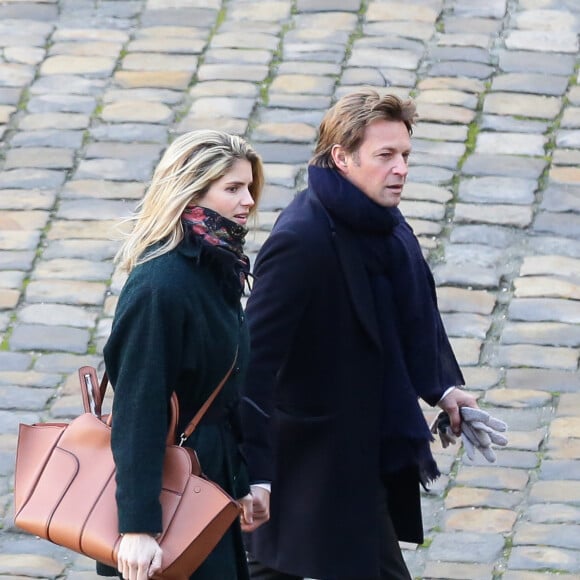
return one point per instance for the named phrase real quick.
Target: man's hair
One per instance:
(186, 171)
(345, 123)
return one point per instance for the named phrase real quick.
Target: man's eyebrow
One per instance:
(387, 149)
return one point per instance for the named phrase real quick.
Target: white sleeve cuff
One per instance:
(447, 391)
(266, 486)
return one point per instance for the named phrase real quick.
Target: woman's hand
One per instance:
(139, 556)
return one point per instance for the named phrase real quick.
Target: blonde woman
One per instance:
(177, 326)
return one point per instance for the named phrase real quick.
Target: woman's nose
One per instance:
(248, 200)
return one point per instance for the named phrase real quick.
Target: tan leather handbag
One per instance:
(64, 487)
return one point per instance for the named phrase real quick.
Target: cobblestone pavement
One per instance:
(92, 90)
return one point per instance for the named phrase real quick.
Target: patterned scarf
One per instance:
(221, 234)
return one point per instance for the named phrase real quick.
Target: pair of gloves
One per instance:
(478, 431)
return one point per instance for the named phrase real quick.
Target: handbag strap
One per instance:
(93, 397)
(192, 425)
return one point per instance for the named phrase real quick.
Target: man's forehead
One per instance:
(387, 134)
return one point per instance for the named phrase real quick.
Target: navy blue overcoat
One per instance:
(315, 377)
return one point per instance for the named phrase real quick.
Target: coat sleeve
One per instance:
(279, 297)
(143, 360)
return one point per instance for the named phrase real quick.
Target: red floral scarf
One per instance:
(216, 231)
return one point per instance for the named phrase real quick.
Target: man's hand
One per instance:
(451, 403)
(139, 557)
(255, 508)
(462, 416)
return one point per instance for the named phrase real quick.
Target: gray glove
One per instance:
(479, 430)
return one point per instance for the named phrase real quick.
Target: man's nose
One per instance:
(402, 166)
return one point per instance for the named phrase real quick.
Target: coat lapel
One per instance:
(357, 281)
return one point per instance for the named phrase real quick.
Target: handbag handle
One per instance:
(92, 396)
(93, 401)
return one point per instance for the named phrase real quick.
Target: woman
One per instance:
(177, 327)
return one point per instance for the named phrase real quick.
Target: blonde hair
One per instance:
(345, 123)
(187, 169)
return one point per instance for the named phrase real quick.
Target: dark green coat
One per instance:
(177, 325)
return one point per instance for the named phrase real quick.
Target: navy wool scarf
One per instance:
(417, 358)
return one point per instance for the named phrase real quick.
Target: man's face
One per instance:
(380, 166)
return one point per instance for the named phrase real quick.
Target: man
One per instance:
(345, 337)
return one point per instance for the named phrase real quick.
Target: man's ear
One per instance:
(340, 157)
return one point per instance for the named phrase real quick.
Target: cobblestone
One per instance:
(91, 93)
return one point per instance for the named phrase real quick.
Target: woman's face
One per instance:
(230, 195)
